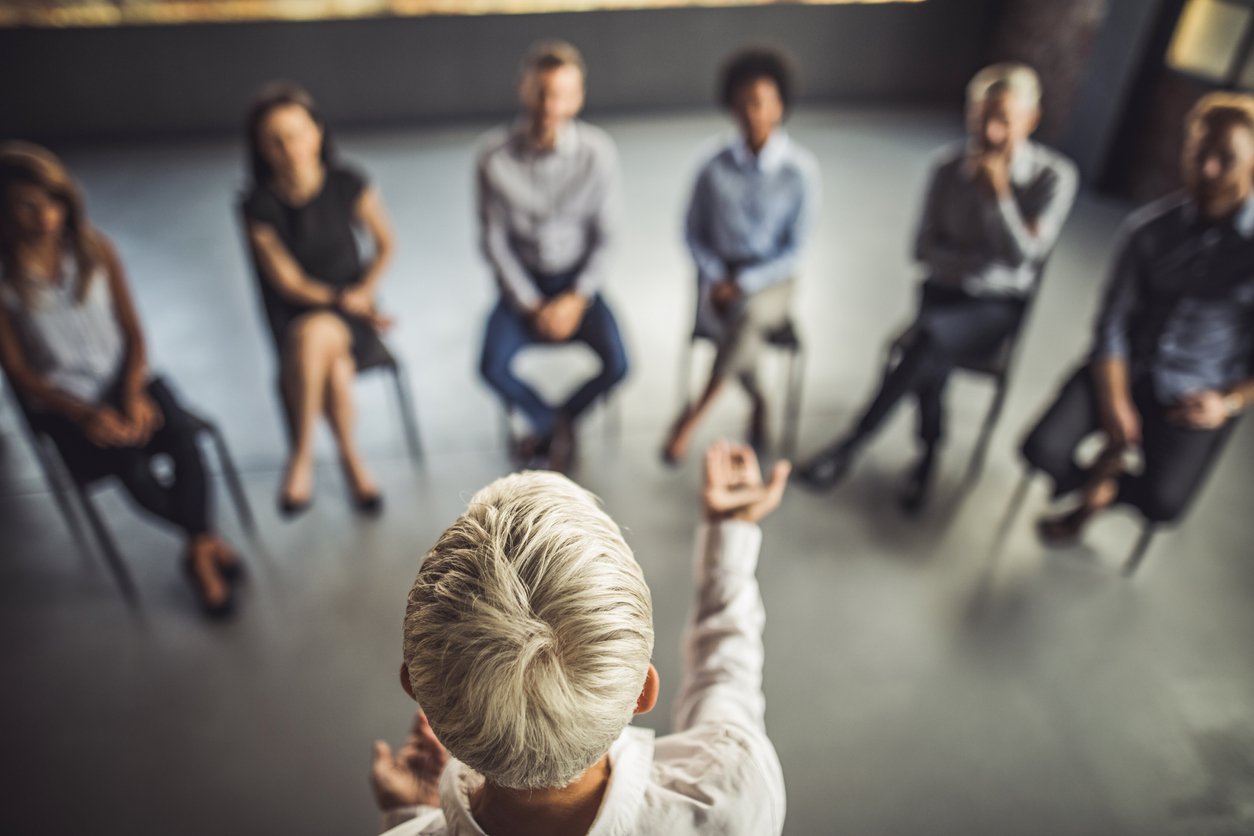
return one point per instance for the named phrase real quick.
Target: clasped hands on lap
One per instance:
(557, 319)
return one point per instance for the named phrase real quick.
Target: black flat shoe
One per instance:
(824, 471)
(370, 504)
(918, 485)
(289, 508)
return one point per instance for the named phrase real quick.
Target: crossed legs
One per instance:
(318, 372)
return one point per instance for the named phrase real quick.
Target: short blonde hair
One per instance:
(1018, 79)
(528, 632)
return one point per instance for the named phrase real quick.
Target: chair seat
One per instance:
(785, 337)
(376, 355)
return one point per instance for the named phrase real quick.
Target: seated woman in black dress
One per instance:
(71, 345)
(301, 213)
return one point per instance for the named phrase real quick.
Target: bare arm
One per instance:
(135, 372)
(374, 216)
(29, 385)
(280, 269)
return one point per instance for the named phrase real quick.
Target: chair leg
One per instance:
(105, 540)
(1148, 530)
(1012, 510)
(613, 408)
(792, 405)
(685, 376)
(59, 494)
(406, 405)
(231, 474)
(980, 453)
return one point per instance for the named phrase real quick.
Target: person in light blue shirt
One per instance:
(745, 226)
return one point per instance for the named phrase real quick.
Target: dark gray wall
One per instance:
(144, 81)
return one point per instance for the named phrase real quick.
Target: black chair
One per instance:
(65, 478)
(1151, 524)
(377, 357)
(787, 338)
(996, 365)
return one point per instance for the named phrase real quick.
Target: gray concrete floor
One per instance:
(916, 683)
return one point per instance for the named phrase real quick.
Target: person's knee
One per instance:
(1161, 502)
(316, 332)
(494, 364)
(1043, 451)
(615, 366)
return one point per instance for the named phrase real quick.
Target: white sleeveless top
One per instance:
(76, 347)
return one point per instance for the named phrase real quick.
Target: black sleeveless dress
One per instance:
(320, 235)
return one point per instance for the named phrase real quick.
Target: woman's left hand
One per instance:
(357, 301)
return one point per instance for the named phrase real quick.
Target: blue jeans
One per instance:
(509, 331)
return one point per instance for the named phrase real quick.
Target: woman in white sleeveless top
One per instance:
(73, 351)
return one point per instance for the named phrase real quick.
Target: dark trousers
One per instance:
(183, 501)
(509, 331)
(1176, 459)
(950, 325)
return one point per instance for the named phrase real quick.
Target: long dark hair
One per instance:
(280, 94)
(25, 162)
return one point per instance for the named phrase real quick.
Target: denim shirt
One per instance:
(1179, 305)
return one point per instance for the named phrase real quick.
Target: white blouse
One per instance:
(75, 346)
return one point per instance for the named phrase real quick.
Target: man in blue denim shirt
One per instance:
(1174, 348)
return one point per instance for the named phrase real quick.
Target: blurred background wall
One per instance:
(1118, 74)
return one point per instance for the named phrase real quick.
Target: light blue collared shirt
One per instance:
(748, 214)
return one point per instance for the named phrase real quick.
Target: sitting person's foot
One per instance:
(296, 494)
(562, 447)
(226, 558)
(532, 452)
(1064, 529)
(919, 483)
(758, 435)
(214, 594)
(365, 493)
(827, 468)
(679, 439)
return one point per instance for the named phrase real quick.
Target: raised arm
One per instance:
(723, 649)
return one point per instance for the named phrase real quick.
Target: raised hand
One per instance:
(733, 484)
(411, 776)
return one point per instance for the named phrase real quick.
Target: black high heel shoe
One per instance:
(290, 508)
(370, 504)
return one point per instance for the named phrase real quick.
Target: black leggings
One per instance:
(1177, 459)
(184, 501)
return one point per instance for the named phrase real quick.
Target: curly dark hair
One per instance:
(748, 65)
